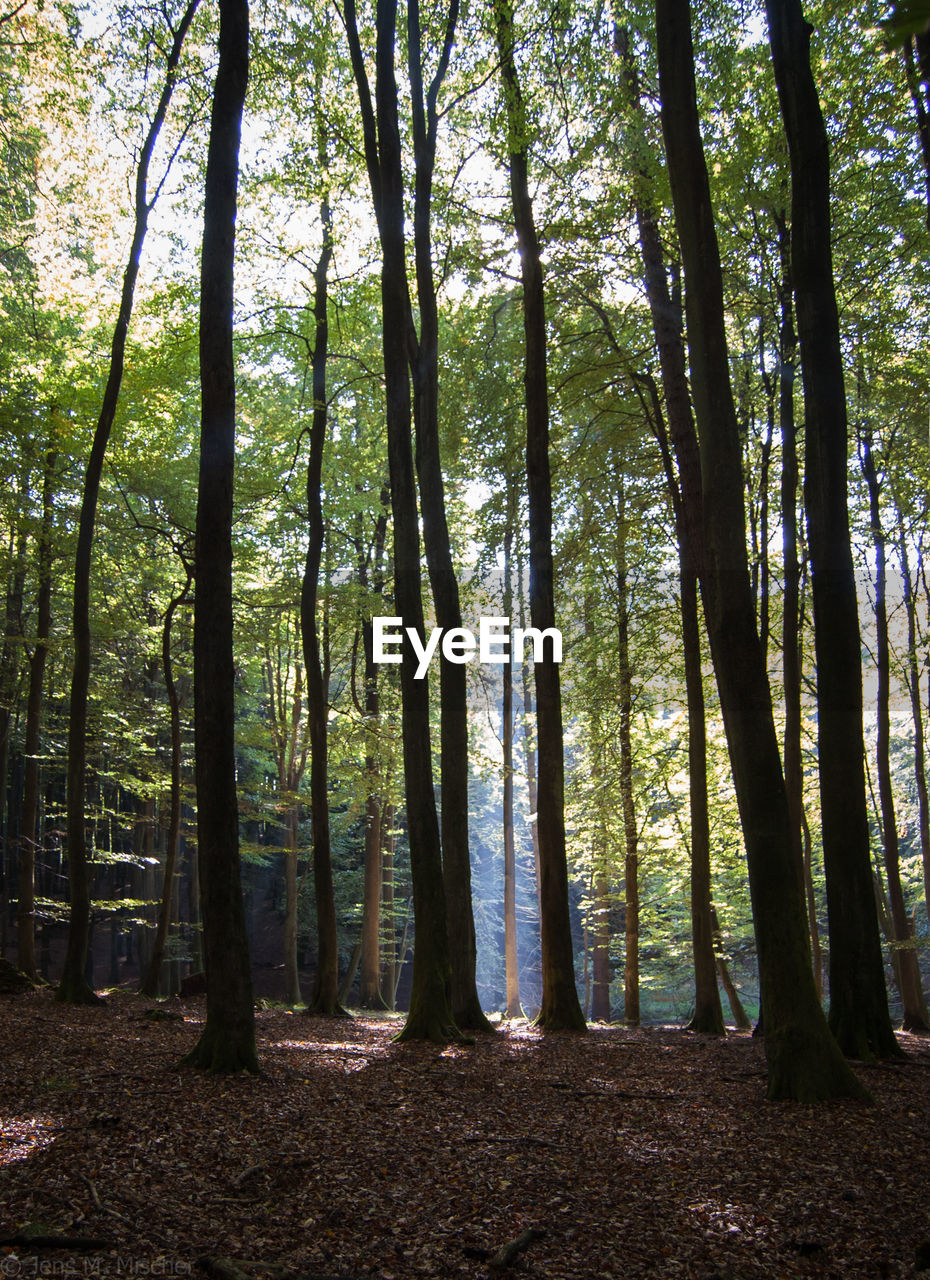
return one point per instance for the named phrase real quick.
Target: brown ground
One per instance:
(637, 1153)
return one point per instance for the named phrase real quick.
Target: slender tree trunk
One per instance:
(292, 992)
(370, 996)
(804, 1061)
(912, 996)
(529, 744)
(325, 999)
(73, 987)
(740, 1016)
(27, 840)
(913, 688)
(560, 1008)
(387, 838)
(228, 1039)
(600, 994)
(914, 71)
(150, 979)
(430, 1015)
(466, 1007)
(511, 965)
(858, 1000)
(685, 495)
(630, 833)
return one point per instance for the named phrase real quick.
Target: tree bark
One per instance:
(560, 1008)
(73, 987)
(228, 1039)
(858, 1000)
(804, 1061)
(25, 941)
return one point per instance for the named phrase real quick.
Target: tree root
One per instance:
(509, 1252)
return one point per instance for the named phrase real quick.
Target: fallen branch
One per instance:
(24, 1240)
(244, 1269)
(508, 1252)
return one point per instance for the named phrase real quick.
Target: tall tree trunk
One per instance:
(26, 953)
(529, 740)
(791, 603)
(560, 1008)
(685, 495)
(150, 979)
(430, 1015)
(902, 940)
(228, 1039)
(858, 1000)
(628, 800)
(424, 363)
(511, 965)
(73, 987)
(325, 999)
(804, 1061)
(370, 995)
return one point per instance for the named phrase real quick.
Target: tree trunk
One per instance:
(600, 994)
(150, 980)
(466, 1007)
(228, 1039)
(560, 1008)
(902, 940)
(325, 999)
(804, 1061)
(73, 987)
(511, 965)
(430, 1016)
(26, 954)
(740, 1016)
(370, 996)
(913, 688)
(858, 1000)
(628, 800)
(685, 495)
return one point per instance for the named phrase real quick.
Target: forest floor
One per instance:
(646, 1153)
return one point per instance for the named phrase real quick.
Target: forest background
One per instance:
(79, 92)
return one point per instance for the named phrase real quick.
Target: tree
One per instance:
(325, 998)
(227, 1042)
(906, 966)
(804, 1061)
(27, 842)
(560, 1008)
(430, 1016)
(858, 1000)
(73, 987)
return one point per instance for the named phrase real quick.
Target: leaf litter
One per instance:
(621, 1153)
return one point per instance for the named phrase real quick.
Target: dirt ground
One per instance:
(647, 1153)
